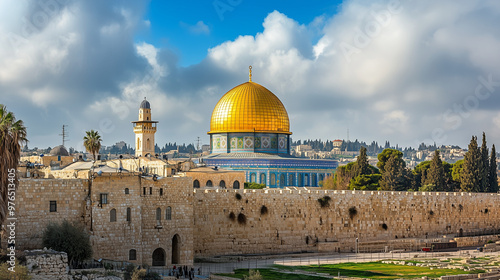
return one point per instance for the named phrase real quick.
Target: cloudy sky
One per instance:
(404, 71)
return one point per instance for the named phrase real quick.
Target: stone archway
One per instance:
(159, 257)
(176, 249)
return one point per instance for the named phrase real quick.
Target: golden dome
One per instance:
(249, 107)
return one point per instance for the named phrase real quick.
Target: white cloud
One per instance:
(199, 28)
(419, 64)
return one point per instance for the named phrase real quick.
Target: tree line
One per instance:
(477, 172)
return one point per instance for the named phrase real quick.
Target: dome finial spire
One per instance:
(250, 73)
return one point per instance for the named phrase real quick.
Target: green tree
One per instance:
(470, 177)
(435, 175)
(484, 167)
(419, 174)
(384, 156)
(69, 238)
(362, 165)
(365, 182)
(92, 142)
(492, 174)
(12, 136)
(394, 176)
(456, 172)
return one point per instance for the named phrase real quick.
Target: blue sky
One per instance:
(173, 23)
(397, 70)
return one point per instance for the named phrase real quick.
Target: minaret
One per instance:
(144, 130)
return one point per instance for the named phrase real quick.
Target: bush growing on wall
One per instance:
(352, 212)
(242, 219)
(324, 201)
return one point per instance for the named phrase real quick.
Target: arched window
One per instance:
(299, 180)
(291, 179)
(127, 191)
(129, 214)
(112, 215)
(158, 214)
(273, 179)
(236, 185)
(263, 178)
(138, 143)
(209, 183)
(282, 180)
(306, 180)
(252, 178)
(314, 182)
(222, 184)
(132, 255)
(321, 177)
(196, 184)
(168, 214)
(148, 144)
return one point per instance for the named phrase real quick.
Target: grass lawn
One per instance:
(378, 270)
(272, 274)
(372, 270)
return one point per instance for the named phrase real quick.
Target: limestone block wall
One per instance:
(47, 264)
(295, 221)
(33, 197)
(143, 232)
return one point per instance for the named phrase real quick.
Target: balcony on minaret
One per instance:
(144, 126)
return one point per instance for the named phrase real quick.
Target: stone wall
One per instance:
(33, 198)
(47, 264)
(143, 232)
(295, 221)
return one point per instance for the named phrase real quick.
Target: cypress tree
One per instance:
(492, 176)
(435, 174)
(484, 169)
(394, 176)
(362, 163)
(470, 177)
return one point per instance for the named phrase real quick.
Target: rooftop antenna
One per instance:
(198, 144)
(64, 134)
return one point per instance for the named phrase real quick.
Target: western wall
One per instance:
(212, 222)
(280, 220)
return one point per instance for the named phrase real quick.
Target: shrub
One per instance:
(460, 207)
(431, 212)
(263, 210)
(142, 274)
(324, 201)
(242, 219)
(384, 226)
(70, 238)
(20, 273)
(253, 275)
(352, 212)
(232, 216)
(486, 211)
(238, 196)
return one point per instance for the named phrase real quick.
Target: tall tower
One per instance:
(144, 130)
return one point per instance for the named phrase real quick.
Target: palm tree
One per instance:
(12, 136)
(92, 142)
